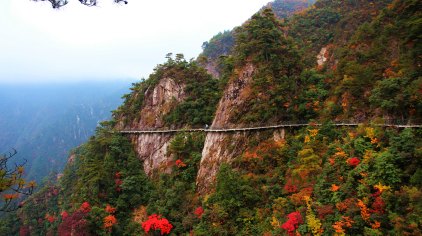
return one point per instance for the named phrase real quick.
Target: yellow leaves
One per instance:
(313, 132)
(140, 214)
(367, 156)
(370, 133)
(20, 169)
(381, 187)
(340, 153)
(31, 184)
(307, 139)
(275, 223)
(21, 183)
(313, 222)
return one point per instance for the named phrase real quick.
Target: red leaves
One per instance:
(75, 222)
(354, 161)
(293, 222)
(118, 181)
(50, 218)
(180, 163)
(24, 231)
(324, 211)
(64, 214)
(198, 212)
(290, 188)
(155, 222)
(85, 207)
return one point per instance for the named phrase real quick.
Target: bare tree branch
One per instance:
(12, 183)
(59, 3)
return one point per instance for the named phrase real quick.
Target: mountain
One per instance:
(44, 122)
(342, 76)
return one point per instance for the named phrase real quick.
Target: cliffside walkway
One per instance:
(257, 128)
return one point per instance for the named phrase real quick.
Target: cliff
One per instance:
(336, 61)
(178, 95)
(159, 100)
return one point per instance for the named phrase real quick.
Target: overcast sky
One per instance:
(38, 43)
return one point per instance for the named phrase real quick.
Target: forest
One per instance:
(321, 63)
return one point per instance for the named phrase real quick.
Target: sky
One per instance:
(108, 42)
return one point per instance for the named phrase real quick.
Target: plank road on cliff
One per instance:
(257, 128)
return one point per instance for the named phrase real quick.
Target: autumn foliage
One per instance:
(198, 212)
(109, 221)
(294, 219)
(155, 222)
(354, 161)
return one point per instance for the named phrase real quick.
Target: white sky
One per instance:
(38, 43)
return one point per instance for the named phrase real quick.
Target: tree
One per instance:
(12, 183)
(90, 3)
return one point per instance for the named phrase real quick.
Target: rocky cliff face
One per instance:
(222, 147)
(152, 148)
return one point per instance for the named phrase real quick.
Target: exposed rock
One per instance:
(158, 102)
(223, 147)
(212, 69)
(152, 148)
(236, 90)
(321, 57)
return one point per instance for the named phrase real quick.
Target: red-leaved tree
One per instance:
(155, 222)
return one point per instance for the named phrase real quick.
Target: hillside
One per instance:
(337, 61)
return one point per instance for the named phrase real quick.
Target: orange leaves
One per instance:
(110, 209)
(376, 225)
(11, 196)
(263, 149)
(344, 222)
(334, 188)
(109, 221)
(344, 205)
(300, 197)
(364, 211)
(250, 155)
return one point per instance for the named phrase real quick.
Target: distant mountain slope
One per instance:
(338, 60)
(44, 122)
(222, 43)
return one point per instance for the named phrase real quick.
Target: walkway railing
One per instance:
(256, 128)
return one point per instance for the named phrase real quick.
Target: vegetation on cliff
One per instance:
(315, 180)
